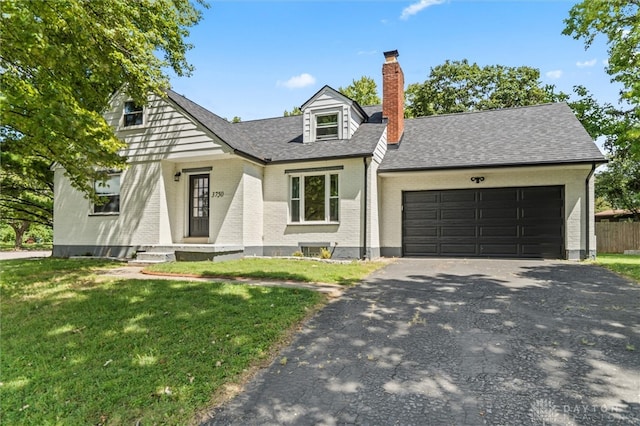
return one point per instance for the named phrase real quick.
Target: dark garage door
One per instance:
(496, 222)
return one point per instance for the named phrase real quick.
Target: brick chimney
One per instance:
(393, 96)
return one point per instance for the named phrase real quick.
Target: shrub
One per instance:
(325, 253)
(39, 234)
(7, 234)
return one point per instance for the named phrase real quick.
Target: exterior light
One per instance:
(176, 177)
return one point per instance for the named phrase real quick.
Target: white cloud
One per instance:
(417, 7)
(586, 64)
(298, 81)
(555, 74)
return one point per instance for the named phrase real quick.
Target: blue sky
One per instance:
(254, 59)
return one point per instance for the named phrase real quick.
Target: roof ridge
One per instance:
(486, 111)
(266, 118)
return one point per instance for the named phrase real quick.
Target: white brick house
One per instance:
(360, 181)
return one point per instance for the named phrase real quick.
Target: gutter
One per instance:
(491, 166)
(326, 158)
(364, 237)
(250, 157)
(587, 192)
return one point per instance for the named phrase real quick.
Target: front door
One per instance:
(199, 205)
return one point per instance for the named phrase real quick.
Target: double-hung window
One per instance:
(133, 114)
(108, 192)
(315, 198)
(327, 126)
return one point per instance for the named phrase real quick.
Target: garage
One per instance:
(490, 222)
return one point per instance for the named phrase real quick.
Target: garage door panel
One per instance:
(550, 230)
(457, 249)
(498, 213)
(541, 212)
(448, 197)
(543, 193)
(421, 232)
(422, 197)
(499, 231)
(457, 213)
(426, 214)
(493, 222)
(502, 250)
(422, 249)
(498, 195)
(458, 231)
(541, 250)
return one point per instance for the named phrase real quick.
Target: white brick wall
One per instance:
(572, 177)
(137, 223)
(276, 207)
(252, 210)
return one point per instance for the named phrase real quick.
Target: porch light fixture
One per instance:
(176, 177)
(477, 179)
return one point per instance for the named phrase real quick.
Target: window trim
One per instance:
(141, 111)
(301, 199)
(324, 113)
(118, 194)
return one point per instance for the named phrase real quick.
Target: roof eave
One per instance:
(492, 166)
(323, 158)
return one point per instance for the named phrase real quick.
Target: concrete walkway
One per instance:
(24, 254)
(135, 272)
(460, 342)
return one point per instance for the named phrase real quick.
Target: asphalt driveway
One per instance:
(460, 342)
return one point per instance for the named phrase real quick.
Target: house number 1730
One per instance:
(217, 194)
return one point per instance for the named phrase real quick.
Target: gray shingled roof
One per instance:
(541, 134)
(230, 134)
(280, 139)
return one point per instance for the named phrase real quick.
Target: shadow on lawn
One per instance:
(79, 352)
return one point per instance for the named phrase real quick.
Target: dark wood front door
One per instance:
(199, 205)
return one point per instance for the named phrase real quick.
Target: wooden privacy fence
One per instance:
(616, 237)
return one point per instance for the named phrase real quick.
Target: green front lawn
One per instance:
(625, 264)
(274, 269)
(77, 350)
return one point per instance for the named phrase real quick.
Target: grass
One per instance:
(78, 350)
(274, 269)
(624, 264)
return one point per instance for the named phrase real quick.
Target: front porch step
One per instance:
(154, 257)
(186, 252)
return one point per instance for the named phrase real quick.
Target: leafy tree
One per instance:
(27, 192)
(364, 91)
(294, 111)
(619, 184)
(619, 22)
(62, 61)
(236, 119)
(458, 86)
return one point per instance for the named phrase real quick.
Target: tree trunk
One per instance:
(20, 228)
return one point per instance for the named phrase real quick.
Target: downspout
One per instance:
(587, 213)
(364, 238)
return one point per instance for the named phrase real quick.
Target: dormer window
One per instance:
(327, 126)
(133, 114)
